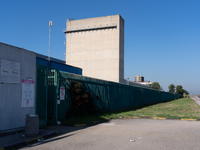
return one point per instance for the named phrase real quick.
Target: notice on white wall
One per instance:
(28, 93)
(62, 93)
(9, 71)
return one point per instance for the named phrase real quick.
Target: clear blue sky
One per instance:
(162, 37)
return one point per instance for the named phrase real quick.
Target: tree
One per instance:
(156, 85)
(186, 92)
(171, 88)
(179, 90)
(81, 101)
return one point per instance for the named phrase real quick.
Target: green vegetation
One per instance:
(81, 101)
(156, 85)
(171, 88)
(186, 92)
(184, 108)
(181, 91)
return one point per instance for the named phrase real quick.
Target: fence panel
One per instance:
(111, 96)
(41, 95)
(46, 106)
(106, 95)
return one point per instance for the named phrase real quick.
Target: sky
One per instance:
(162, 37)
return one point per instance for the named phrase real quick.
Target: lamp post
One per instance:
(127, 79)
(50, 24)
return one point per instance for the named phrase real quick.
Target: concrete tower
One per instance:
(97, 46)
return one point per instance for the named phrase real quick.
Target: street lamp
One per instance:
(127, 79)
(50, 24)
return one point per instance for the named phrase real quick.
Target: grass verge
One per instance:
(184, 108)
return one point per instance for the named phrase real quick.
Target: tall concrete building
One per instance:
(97, 46)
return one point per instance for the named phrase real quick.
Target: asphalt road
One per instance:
(196, 99)
(138, 134)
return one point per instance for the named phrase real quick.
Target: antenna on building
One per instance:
(127, 78)
(50, 24)
(69, 19)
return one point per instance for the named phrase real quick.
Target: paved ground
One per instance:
(17, 139)
(196, 99)
(140, 134)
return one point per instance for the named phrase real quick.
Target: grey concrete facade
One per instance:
(97, 46)
(12, 114)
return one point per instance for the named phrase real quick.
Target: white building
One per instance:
(97, 46)
(17, 71)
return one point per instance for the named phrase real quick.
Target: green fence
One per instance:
(46, 86)
(106, 95)
(41, 94)
(110, 95)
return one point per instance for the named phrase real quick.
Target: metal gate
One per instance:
(46, 106)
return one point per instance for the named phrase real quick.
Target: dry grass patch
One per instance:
(184, 108)
(180, 108)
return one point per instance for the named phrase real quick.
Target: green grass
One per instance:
(184, 108)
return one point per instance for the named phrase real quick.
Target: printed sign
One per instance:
(28, 93)
(62, 93)
(58, 101)
(9, 71)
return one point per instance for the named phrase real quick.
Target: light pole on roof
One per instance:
(50, 24)
(127, 79)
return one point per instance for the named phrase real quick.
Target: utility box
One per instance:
(32, 125)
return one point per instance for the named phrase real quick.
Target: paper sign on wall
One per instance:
(62, 93)
(9, 71)
(28, 93)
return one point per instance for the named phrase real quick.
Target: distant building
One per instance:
(145, 83)
(97, 46)
(138, 84)
(139, 78)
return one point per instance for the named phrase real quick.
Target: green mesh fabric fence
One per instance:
(106, 95)
(110, 95)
